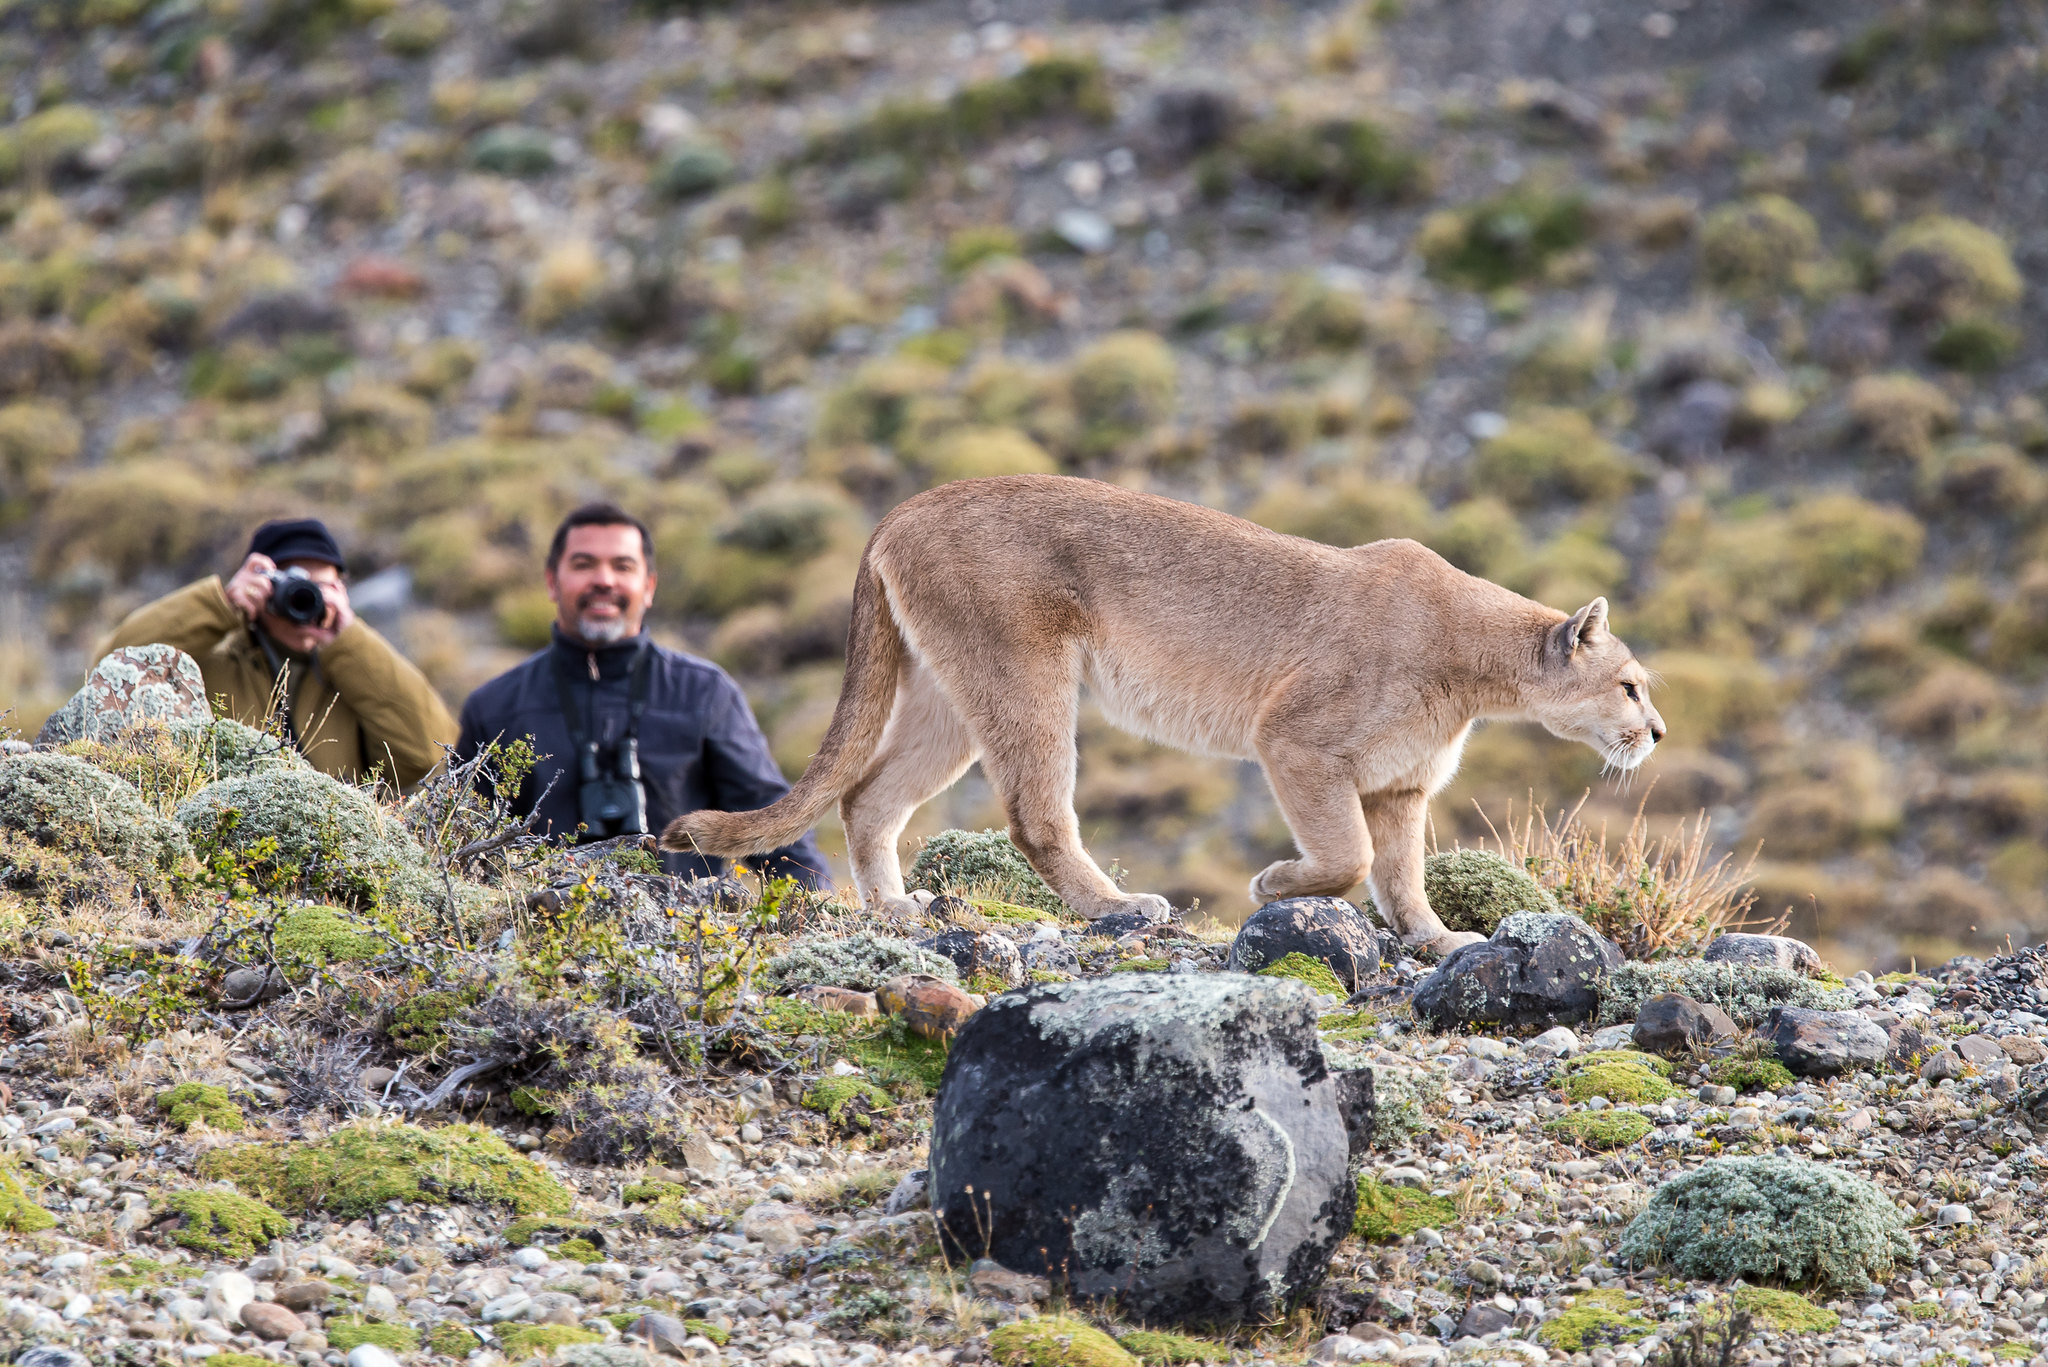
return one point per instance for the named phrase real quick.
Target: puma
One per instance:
(1352, 676)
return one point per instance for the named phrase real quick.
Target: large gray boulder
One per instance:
(1326, 928)
(1764, 951)
(1175, 1142)
(1540, 970)
(133, 684)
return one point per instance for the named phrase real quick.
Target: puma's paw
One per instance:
(896, 905)
(1266, 884)
(1450, 940)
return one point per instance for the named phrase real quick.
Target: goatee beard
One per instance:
(602, 631)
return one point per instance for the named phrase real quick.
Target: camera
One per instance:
(296, 597)
(609, 797)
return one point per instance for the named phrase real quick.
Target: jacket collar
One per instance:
(613, 661)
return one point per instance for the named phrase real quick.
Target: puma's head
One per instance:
(1591, 688)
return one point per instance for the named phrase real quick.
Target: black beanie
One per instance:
(296, 538)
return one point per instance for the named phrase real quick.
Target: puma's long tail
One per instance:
(874, 654)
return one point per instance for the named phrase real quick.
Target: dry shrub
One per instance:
(1654, 895)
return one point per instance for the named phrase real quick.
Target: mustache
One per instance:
(611, 596)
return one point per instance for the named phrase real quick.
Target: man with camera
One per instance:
(634, 735)
(279, 640)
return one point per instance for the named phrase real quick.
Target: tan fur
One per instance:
(1352, 676)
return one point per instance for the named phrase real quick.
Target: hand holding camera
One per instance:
(301, 607)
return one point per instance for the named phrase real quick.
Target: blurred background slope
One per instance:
(1728, 311)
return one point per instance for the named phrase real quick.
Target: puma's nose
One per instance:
(1656, 732)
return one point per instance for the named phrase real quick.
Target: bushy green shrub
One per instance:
(1770, 1219)
(64, 803)
(299, 829)
(1513, 236)
(1763, 245)
(1305, 969)
(984, 861)
(1948, 267)
(862, 962)
(1552, 453)
(1122, 388)
(1349, 511)
(1747, 992)
(1340, 161)
(1472, 890)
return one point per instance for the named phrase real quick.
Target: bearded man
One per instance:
(633, 735)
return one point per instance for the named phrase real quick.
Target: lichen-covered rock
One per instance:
(1325, 928)
(68, 805)
(330, 838)
(1540, 969)
(1764, 951)
(860, 962)
(1824, 1043)
(979, 953)
(1176, 1142)
(1472, 890)
(984, 863)
(1746, 992)
(1777, 1219)
(133, 684)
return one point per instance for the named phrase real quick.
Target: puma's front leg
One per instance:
(1396, 821)
(1319, 798)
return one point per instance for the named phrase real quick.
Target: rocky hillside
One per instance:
(1720, 310)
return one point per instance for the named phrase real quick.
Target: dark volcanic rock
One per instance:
(1538, 969)
(1121, 923)
(1176, 1142)
(1326, 928)
(1672, 1024)
(1824, 1043)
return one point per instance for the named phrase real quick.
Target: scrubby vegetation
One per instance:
(1473, 889)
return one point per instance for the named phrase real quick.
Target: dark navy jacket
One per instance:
(699, 744)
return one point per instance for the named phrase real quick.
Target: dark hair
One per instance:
(600, 514)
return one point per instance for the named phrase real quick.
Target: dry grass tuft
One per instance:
(1657, 896)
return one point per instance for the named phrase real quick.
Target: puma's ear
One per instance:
(1588, 624)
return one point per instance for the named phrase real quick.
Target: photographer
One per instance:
(634, 735)
(351, 703)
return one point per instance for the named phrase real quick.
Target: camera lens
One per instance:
(298, 599)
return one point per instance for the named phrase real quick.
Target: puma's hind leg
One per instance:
(924, 750)
(1396, 821)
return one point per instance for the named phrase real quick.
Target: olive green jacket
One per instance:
(356, 705)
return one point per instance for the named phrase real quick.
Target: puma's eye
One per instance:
(1630, 689)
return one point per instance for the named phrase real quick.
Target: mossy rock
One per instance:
(1155, 1346)
(19, 1213)
(1752, 1075)
(454, 1341)
(1471, 890)
(532, 1340)
(1759, 246)
(354, 1170)
(846, 1101)
(1594, 1319)
(1770, 1219)
(68, 805)
(346, 1334)
(1147, 964)
(1784, 1312)
(224, 1224)
(314, 937)
(1305, 969)
(1625, 1079)
(188, 1103)
(1600, 1131)
(1387, 1213)
(981, 863)
(1056, 1341)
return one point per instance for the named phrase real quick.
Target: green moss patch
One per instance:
(224, 1224)
(309, 938)
(1386, 1213)
(1787, 1312)
(716, 1333)
(188, 1103)
(846, 1101)
(905, 1064)
(1151, 1346)
(355, 1170)
(1628, 1079)
(1349, 1025)
(1056, 1341)
(19, 1214)
(240, 1360)
(451, 1340)
(1146, 965)
(529, 1230)
(1600, 1130)
(1010, 911)
(1305, 969)
(531, 1340)
(1510, 237)
(1752, 1075)
(1594, 1319)
(579, 1251)
(353, 1333)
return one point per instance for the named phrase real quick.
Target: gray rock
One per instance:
(1482, 1318)
(248, 986)
(1326, 928)
(1940, 1066)
(1824, 1043)
(992, 1281)
(1674, 1024)
(1050, 956)
(1538, 969)
(52, 1355)
(1764, 951)
(1980, 1051)
(662, 1333)
(133, 684)
(1084, 230)
(1177, 1142)
(272, 1322)
(913, 1192)
(979, 952)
